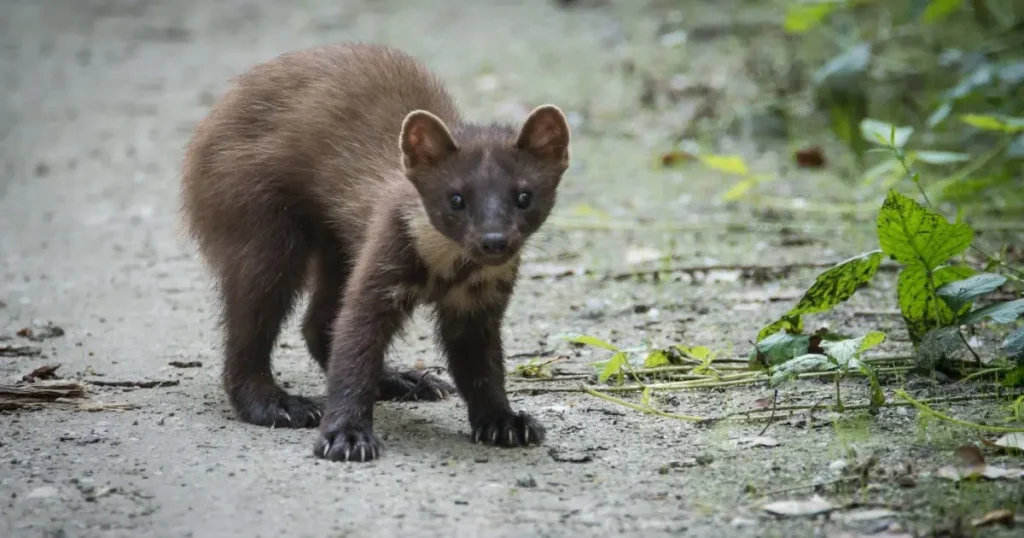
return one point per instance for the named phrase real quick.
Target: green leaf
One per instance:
(657, 358)
(591, 341)
(781, 347)
(697, 352)
(922, 308)
(729, 164)
(1014, 377)
(877, 396)
(1007, 312)
(846, 66)
(804, 16)
(940, 9)
(612, 367)
(1004, 124)
(962, 292)
(1014, 345)
(835, 285)
(916, 235)
(941, 157)
(844, 351)
(788, 371)
(879, 132)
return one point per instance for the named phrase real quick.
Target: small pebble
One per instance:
(528, 482)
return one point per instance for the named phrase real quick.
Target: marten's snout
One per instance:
(494, 243)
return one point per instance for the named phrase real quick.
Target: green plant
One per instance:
(936, 297)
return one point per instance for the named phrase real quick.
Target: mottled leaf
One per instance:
(787, 371)
(1014, 345)
(916, 235)
(830, 288)
(1006, 312)
(938, 347)
(962, 292)
(922, 309)
(781, 347)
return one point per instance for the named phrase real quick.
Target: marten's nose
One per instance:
(494, 243)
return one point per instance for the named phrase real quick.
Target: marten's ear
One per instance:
(425, 140)
(545, 135)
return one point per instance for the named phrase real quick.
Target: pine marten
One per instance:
(348, 170)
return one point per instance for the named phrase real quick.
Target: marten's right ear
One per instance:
(425, 140)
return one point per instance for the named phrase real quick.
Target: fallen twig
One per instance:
(890, 403)
(43, 390)
(141, 384)
(920, 405)
(638, 407)
(777, 269)
(12, 350)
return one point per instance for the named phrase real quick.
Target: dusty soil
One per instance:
(99, 98)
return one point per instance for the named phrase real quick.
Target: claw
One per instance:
(362, 453)
(327, 448)
(440, 395)
(476, 436)
(494, 436)
(526, 435)
(346, 453)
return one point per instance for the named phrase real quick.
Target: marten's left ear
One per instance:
(545, 135)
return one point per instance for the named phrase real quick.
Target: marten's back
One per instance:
(315, 130)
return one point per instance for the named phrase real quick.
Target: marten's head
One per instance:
(487, 187)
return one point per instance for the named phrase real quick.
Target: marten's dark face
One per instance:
(493, 189)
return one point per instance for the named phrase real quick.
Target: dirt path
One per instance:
(102, 94)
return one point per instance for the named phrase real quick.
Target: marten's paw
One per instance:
(508, 429)
(413, 385)
(280, 410)
(343, 442)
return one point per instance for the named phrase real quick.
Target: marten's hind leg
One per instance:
(259, 283)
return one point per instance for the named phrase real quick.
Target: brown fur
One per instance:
(348, 170)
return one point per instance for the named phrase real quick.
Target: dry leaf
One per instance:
(1010, 441)
(186, 364)
(1003, 517)
(543, 270)
(639, 254)
(979, 471)
(812, 157)
(676, 157)
(810, 507)
(970, 455)
(46, 371)
(869, 514)
(754, 441)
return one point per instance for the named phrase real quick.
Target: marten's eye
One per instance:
(458, 203)
(523, 199)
